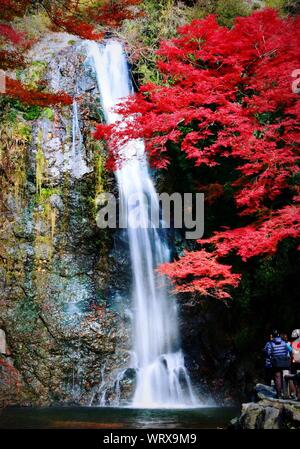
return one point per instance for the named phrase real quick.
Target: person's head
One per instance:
(295, 333)
(284, 337)
(275, 334)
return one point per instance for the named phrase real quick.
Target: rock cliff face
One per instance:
(65, 336)
(268, 412)
(214, 362)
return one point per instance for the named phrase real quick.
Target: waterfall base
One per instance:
(164, 383)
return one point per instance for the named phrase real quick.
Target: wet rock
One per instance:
(209, 354)
(56, 265)
(265, 391)
(268, 412)
(2, 342)
(56, 201)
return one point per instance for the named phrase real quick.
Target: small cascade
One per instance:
(100, 390)
(76, 132)
(76, 386)
(77, 162)
(162, 378)
(117, 388)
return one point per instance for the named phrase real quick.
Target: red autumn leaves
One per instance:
(15, 89)
(227, 93)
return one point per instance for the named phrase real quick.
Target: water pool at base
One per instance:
(116, 418)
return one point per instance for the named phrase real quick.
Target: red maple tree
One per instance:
(227, 95)
(69, 15)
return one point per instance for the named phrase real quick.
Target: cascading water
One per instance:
(77, 162)
(162, 379)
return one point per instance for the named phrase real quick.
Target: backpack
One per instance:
(296, 351)
(282, 362)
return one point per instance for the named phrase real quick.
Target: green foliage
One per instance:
(32, 112)
(15, 135)
(284, 6)
(33, 74)
(147, 72)
(41, 164)
(13, 110)
(46, 211)
(48, 113)
(34, 25)
(201, 9)
(102, 178)
(277, 4)
(160, 21)
(227, 10)
(23, 131)
(46, 192)
(99, 169)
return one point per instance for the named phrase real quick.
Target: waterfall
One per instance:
(162, 379)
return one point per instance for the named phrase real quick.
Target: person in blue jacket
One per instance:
(277, 348)
(268, 363)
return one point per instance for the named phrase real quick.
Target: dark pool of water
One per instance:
(115, 418)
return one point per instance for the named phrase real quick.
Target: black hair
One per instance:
(275, 333)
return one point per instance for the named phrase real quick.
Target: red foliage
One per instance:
(82, 21)
(12, 58)
(16, 89)
(227, 94)
(76, 26)
(211, 278)
(113, 13)
(7, 32)
(260, 238)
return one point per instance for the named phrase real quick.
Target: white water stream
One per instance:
(162, 378)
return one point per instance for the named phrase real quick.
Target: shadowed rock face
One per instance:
(55, 263)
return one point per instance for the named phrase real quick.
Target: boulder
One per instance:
(268, 412)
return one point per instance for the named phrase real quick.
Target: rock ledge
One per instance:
(268, 412)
